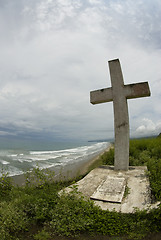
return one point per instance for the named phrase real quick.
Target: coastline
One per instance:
(66, 172)
(86, 166)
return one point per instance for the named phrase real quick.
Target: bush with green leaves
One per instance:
(5, 184)
(154, 167)
(38, 177)
(39, 205)
(140, 152)
(108, 157)
(74, 215)
(71, 215)
(143, 152)
(12, 220)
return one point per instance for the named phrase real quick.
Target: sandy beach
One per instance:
(67, 172)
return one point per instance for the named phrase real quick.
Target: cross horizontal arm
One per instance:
(137, 90)
(101, 96)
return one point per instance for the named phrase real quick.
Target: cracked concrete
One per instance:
(138, 195)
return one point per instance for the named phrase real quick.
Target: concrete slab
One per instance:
(110, 190)
(136, 181)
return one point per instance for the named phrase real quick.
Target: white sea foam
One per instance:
(4, 162)
(46, 165)
(42, 152)
(28, 160)
(13, 171)
(19, 161)
(12, 155)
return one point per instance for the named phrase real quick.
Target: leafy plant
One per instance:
(42, 235)
(38, 177)
(127, 191)
(12, 220)
(39, 206)
(108, 157)
(5, 184)
(154, 167)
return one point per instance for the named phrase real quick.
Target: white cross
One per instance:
(119, 93)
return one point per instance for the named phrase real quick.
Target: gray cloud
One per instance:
(54, 52)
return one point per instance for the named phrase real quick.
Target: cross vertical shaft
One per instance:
(121, 117)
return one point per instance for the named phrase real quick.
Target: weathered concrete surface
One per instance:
(110, 190)
(136, 180)
(121, 117)
(119, 93)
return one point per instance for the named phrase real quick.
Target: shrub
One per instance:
(38, 204)
(154, 167)
(5, 184)
(108, 157)
(154, 217)
(12, 220)
(39, 178)
(140, 152)
(42, 235)
(71, 215)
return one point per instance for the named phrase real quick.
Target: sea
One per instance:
(17, 157)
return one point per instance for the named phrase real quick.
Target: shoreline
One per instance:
(87, 165)
(67, 172)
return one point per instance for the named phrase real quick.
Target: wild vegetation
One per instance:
(143, 152)
(38, 211)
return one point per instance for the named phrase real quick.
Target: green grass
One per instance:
(37, 211)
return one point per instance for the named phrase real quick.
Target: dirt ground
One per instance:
(154, 236)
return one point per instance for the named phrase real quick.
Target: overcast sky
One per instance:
(54, 52)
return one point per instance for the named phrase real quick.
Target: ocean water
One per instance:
(24, 157)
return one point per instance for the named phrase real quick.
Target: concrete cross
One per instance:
(119, 93)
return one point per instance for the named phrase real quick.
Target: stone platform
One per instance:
(106, 188)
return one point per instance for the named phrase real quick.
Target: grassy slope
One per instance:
(39, 212)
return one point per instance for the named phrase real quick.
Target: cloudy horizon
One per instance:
(54, 52)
